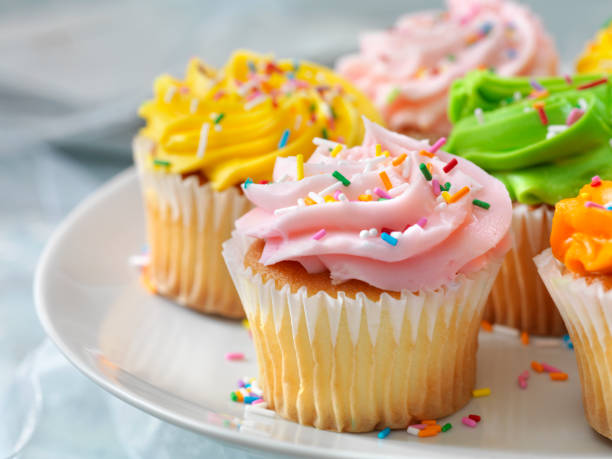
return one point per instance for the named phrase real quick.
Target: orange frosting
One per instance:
(582, 233)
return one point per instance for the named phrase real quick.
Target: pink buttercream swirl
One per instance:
(435, 240)
(408, 69)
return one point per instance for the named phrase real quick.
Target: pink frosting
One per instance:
(449, 239)
(408, 69)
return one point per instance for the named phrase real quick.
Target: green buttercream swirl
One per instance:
(511, 142)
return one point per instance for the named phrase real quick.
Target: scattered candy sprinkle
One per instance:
(486, 326)
(300, 166)
(426, 153)
(593, 204)
(479, 116)
(399, 160)
(248, 182)
(283, 139)
(574, 115)
(558, 376)
(203, 140)
(393, 95)
(468, 422)
(422, 222)
(474, 417)
(388, 239)
(436, 146)
(337, 149)
(338, 176)
(485, 391)
(160, 162)
(429, 422)
(535, 85)
(385, 179)
(549, 368)
(458, 195)
(234, 356)
(219, 117)
(450, 165)
(537, 367)
(593, 83)
(595, 181)
(319, 234)
(525, 338)
(427, 433)
(446, 427)
(479, 203)
(382, 193)
(435, 185)
(425, 171)
(540, 108)
(384, 433)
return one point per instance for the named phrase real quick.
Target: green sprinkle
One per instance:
(219, 118)
(447, 426)
(479, 203)
(234, 397)
(451, 57)
(447, 186)
(341, 178)
(161, 162)
(333, 113)
(312, 107)
(324, 133)
(425, 171)
(395, 92)
(382, 199)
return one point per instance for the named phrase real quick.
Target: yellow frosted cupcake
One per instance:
(597, 57)
(577, 271)
(208, 133)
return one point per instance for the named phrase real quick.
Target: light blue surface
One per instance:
(71, 77)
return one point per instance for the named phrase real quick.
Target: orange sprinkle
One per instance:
(538, 105)
(399, 160)
(458, 195)
(525, 338)
(429, 421)
(486, 326)
(146, 282)
(365, 197)
(309, 201)
(558, 376)
(329, 198)
(239, 396)
(428, 432)
(426, 153)
(539, 94)
(435, 427)
(537, 367)
(385, 179)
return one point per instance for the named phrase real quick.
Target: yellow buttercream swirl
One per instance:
(229, 124)
(597, 57)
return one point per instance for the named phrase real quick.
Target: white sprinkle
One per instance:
(397, 190)
(331, 188)
(139, 260)
(546, 342)
(396, 234)
(255, 409)
(372, 162)
(557, 127)
(508, 331)
(373, 232)
(193, 107)
(316, 197)
(478, 115)
(518, 95)
(169, 94)
(213, 115)
(363, 234)
(527, 109)
(284, 210)
(284, 178)
(413, 431)
(368, 192)
(298, 122)
(582, 103)
(326, 109)
(301, 202)
(255, 102)
(342, 197)
(218, 127)
(203, 140)
(242, 90)
(319, 142)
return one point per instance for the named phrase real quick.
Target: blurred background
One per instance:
(72, 75)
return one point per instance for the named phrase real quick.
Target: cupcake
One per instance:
(597, 57)
(208, 133)
(364, 281)
(577, 271)
(407, 70)
(543, 139)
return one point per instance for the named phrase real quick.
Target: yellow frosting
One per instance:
(597, 57)
(248, 105)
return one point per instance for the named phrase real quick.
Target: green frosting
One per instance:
(511, 142)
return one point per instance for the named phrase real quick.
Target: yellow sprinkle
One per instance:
(337, 149)
(430, 168)
(399, 160)
(378, 149)
(386, 153)
(446, 196)
(300, 166)
(459, 194)
(481, 392)
(309, 202)
(385, 179)
(426, 153)
(365, 197)
(329, 198)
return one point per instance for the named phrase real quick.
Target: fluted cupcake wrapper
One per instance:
(186, 226)
(518, 298)
(357, 365)
(586, 308)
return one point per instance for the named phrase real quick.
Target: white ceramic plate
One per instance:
(170, 361)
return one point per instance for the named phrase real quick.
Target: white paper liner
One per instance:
(355, 364)
(586, 309)
(186, 226)
(518, 298)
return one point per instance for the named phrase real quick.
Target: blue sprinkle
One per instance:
(251, 65)
(486, 28)
(388, 239)
(570, 345)
(566, 338)
(384, 433)
(247, 182)
(284, 138)
(248, 399)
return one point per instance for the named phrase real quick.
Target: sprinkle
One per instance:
(540, 108)
(337, 194)
(537, 366)
(337, 149)
(522, 382)
(568, 79)
(420, 426)
(385, 179)
(324, 133)
(595, 181)
(535, 85)
(203, 140)
(593, 83)
(433, 427)
(219, 118)
(524, 374)
(574, 116)
(384, 433)
(378, 149)
(308, 201)
(435, 186)
(329, 198)
(193, 106)
(364, 197)
(363, 234)
(486, 326)
(481, 392)
(160, 162)
(517, 95)
(247, 182)
(245, 324)
(468, 422)
(582, 104)
(250, 399)
(388, 239)
(251, 66)
(342, 178)
(393, 95)
(428, 433)
(446, 427)
(413, 431)
(256, 101)
(436, 146)
(426, 153)
(525, 338)
(504, 330)
(316, 197)
(479, 116)
(558, 376)
(283, 139)
(169, 94)
(458, 195)
(422, 222)
(474, 417)
(300, 166)
(382, 193)
(549, 368)
(425, 171)
(479, 203)
(319, 234)
(593, 204)
(399, 160)
(429, 421)
(234, 356)
(450, 165)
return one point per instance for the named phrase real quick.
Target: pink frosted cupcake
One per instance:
(407, 70)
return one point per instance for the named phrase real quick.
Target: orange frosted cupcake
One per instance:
(577, 271)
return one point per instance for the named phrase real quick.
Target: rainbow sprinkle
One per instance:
(385, 179)
(596, 181)
(482, 204)
(399, 160)
(574, 116)
(436, 146)
(593, 83)
(248, 182)
(319, 234)
(160, 162)
(382, 193)
(450, 165)
(300, 166)
(283, 139)
(425, 171)
(484, 392)
(338, 176)
(337, 149)
(388, 239)
(384, 433)
(219, 117)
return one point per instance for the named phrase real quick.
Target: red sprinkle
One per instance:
(593, 83)
(449, 165)
(474, 417)
(542, 113)
(595, 181)
(263, 182)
